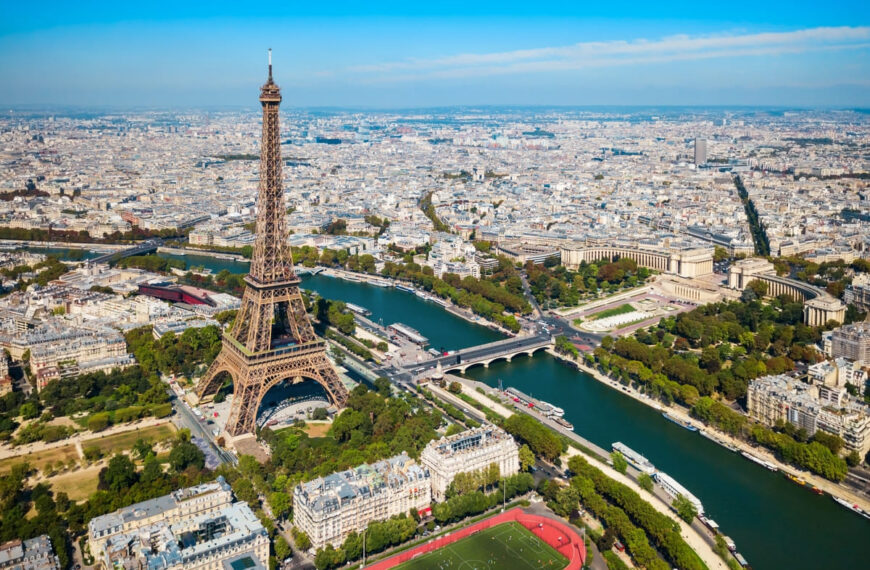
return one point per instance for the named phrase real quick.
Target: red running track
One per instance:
(556, 533)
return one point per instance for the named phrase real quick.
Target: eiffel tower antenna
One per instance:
(271, 340)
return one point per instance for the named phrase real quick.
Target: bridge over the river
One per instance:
(484, 354)
(149, 246)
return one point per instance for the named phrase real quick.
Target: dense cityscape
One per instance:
(477, 336)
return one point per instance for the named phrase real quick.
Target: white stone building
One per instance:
(470, 450)
(329, 508)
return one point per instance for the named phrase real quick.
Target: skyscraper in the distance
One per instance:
(700, 151)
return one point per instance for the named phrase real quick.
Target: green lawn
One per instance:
(121, 441)
(508, 546)
(620, 310)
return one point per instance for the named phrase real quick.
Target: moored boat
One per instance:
(760, 461)
(684, 425)
(796, 480)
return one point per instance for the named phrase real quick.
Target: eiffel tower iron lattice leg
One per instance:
(271, 340)
(253, 380)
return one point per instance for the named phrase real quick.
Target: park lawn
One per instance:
(40, 459)
(78, 485)
(620, 310)
(319, 429)
(508, 546)
(125, 440)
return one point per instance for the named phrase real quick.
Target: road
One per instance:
(185, 418)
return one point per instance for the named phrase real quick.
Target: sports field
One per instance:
(509, 546)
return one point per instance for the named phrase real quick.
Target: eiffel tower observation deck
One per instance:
(271, 340)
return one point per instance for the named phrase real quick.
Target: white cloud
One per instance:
(619, 53)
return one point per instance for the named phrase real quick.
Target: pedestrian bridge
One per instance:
(484, 354)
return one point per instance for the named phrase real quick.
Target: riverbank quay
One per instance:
(193, 251)
(698, 537)
(100, 247)
(721, 438)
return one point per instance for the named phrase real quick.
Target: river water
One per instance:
(775, 523)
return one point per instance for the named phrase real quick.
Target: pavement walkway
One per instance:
(470, 390)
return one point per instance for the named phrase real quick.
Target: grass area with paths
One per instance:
(39, 459)
(78, 485)
(508, 546)
(125, 440)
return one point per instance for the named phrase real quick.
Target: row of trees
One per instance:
(555, 284)
(82, 236)
(483, 296)
(661, 530)
(174, 354)
(542, 440)
(152, 262)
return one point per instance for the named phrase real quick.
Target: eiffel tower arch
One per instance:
(272, 339)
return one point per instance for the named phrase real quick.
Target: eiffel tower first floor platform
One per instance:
(254, 374)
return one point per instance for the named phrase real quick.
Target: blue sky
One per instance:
(404, 54)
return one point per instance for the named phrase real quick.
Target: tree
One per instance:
(279, 502)
(142, 448)
(28, 410)
(98, 421)
(527, 457)
(606, 541)
(853, 459)
(319, 414)
(119, 475)
(455, 387)
(383, 386)
(619, 462)
(185, 454)
(645, 482)
(832, 442)
(301, 539)
(758, 287)
(685, 508)
(282, 549)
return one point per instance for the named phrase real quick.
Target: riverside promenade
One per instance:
(722, 438)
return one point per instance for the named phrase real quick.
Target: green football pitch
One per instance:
(509, 546)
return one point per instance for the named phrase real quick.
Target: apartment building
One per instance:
(471, 450)
(811, 407)
(5, 378)
(32, 554)
(329, 508)
(198, 527)
(78, 351)
(852, 342)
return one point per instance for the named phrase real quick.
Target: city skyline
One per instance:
(393, 56)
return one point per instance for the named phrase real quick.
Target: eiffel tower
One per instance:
(271, 339)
